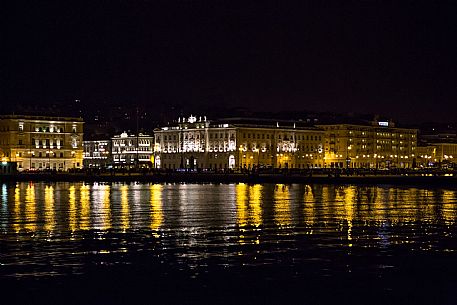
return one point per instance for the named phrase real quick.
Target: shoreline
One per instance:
(235, 178)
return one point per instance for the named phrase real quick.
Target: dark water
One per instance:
(70, 243)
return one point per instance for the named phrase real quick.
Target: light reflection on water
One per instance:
(76, 224)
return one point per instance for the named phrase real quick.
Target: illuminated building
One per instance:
(445, 152)
(198, 143)
(425, 156)
(437, 154)
(40, 142)
(132, 150)
(380, 145)
(97, 154)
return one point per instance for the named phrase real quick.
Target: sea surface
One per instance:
(79, 243)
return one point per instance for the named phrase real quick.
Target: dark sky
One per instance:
(354, 56)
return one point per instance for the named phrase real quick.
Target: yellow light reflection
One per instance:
(125, 214)
(241, 201)
(349, 211)
(255, 196)
(106, 207)
(282, 205)
(84, 213)
(30, 208)
(449, 210)
(49, 212)
(156, 207)
(72, 208)
(17, 210)
(309, 205)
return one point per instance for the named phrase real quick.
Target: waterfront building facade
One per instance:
(380, 145)
(129, 151)
(41, 142)
(445, 153)
(197, 143)
(437, 155)
(97, 154)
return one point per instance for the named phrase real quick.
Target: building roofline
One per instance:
(310, 128)
(367, 126)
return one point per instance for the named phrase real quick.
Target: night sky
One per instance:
(380, 57)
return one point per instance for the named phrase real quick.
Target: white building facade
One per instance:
(128, 151)
(196, 143)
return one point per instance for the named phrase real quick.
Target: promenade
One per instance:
(440, 178)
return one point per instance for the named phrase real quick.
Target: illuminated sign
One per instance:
(384, 124)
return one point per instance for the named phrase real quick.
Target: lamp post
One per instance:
(258, 157)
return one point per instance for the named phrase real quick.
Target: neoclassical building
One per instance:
(379, 145)
(237, 144)
(40, 142)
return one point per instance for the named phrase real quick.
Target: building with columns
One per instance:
(197, 143)
(41, 142)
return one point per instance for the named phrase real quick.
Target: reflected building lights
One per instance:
(72, 208)
(4, 210)
(156, 207)
(84, 212)
(449, 206)
(30, 208)
(49, 209)
(361, 216)
(349, 196)
(106, 207)
(4, 195)
(16, 221)
(282, 205)
(101, 207)
(309, 206)
(241, 202)
(255, 200)
(248, 211)
(125, 213)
